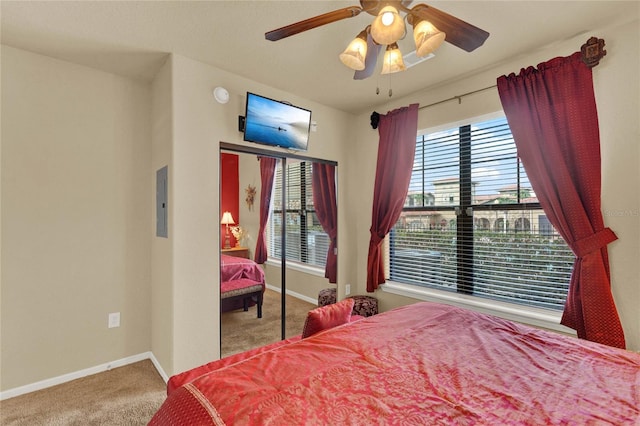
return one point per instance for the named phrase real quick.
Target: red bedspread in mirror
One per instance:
(234, 268)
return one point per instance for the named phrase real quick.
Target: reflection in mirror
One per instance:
(301, 222)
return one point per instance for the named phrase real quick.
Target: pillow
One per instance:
(326, 317)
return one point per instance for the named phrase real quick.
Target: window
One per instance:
(306, 241)
(480, 229)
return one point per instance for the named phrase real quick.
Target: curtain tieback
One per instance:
(593, 242)
(375, 239)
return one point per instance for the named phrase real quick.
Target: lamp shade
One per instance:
(392, 60)
(427, 37)
(388, 26)
(227, 219)
(355, 54)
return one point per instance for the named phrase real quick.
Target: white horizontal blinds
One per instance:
(495, 175)
(296, 249)
(306, 242)
(422, 243)
(518, 256)
(484, 233)
(436, 163)
(275, 216)
(522, 267)
(421, 254)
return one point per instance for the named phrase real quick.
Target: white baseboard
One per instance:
(43, 384)
(294, 294)
(158, 367)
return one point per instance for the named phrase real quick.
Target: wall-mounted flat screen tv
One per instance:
(276, 123)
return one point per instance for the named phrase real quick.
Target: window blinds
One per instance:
(472, 223)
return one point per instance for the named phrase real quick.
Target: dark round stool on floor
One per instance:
(327, 296)
(364, 305)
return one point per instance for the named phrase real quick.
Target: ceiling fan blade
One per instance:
(458, 32)
(373, 51)
(316, 21)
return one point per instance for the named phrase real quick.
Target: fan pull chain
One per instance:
(378, 87)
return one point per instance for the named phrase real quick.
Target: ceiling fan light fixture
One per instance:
(387, 16)
(427, 38)
(388, 26)
(390, 20)
(392, 60)
(354, 55)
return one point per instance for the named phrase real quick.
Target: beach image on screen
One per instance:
(275, 123)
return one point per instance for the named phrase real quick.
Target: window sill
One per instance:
(311, 270)
(527, 315)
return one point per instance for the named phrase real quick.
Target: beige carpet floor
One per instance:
(243, 330)
(128, 395)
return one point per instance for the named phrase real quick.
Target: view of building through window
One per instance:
(472, 223)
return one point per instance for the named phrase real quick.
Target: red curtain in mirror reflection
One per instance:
(324, 201)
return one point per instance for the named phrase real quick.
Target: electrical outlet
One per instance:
(114, 320)
(347, 289)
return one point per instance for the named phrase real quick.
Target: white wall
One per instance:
(80, 149)
(75, 197)
(199, 125)
(195, 216)
(162, 333)
(617, 92)
(617, 89)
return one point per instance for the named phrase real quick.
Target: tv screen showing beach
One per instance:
(275, 123)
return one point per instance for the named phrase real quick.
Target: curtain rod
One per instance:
(592, 52)
(375, 116)
(459, 97)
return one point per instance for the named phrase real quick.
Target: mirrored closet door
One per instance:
(294, 239)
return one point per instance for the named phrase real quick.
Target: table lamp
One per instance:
(227, 220)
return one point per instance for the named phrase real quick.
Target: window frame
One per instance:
(303, 213)
(531, 315)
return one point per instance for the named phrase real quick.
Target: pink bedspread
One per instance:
(420, 364)
(233, 268)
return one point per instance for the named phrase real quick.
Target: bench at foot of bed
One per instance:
(244, 289)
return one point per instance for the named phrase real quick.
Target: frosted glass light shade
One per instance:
(388, 27)
(354, 55)
(392, 60)
(427, 38)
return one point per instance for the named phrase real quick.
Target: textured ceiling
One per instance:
(133, 37)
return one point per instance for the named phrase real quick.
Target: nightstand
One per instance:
(236, 251)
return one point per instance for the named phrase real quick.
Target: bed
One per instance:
(242, 284)
(424, 363)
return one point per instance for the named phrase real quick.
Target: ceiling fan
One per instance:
(430, 28)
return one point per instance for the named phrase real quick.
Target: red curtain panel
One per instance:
(325, 204)
(267, 172)
(552, 113)
(397, 146)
